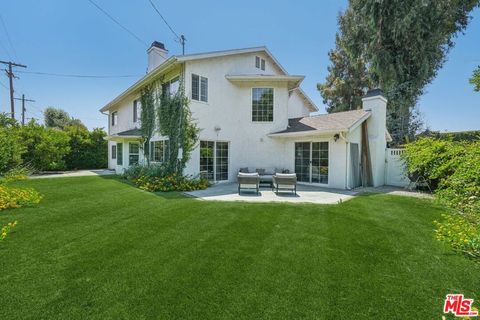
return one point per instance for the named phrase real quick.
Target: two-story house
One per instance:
(252, 113)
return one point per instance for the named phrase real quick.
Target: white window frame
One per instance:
(260, 63)
(201, 93)
(251, 105)
(215, 158)
(133, 154)
(152, 151)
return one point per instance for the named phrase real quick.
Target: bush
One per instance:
(46, 148)
(88, 149)
(454, 166)
(171, 182)
(11, 149)
(153, 170)
(17, 197)
(16, 174)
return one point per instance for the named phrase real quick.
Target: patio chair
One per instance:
(249, 181)
(416, 181)
(285, 181)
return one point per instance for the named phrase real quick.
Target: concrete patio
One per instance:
(305, 194)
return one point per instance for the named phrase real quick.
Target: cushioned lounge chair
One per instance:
(285, 181)
(249, 181)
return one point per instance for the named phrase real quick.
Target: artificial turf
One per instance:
(98, 248)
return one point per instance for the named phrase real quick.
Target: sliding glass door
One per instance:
(214, 160)
(311, 162)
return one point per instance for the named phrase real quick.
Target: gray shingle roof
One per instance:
(131, 132)
(340, 121)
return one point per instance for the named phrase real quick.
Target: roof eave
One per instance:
(141, 82)
(306, 133)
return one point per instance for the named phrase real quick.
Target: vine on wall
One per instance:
(174, 119)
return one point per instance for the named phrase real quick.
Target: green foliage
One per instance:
(147, 117)
(88, 149)
(171, 182)
(15, 174)
(176, 123)
(455, 167)
(158, 177)
(46, 148)
(11, 148)
(58, 118)
(453, 136)
(153, 170)
(475, 79)
(401, 45)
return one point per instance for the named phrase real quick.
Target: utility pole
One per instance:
(182, 42)
(10, 78)
(23, 107)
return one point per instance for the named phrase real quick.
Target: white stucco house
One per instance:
(253, 113)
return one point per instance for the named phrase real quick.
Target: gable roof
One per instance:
(173, 60)
(325, 123)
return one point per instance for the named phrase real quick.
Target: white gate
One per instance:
(395, 171)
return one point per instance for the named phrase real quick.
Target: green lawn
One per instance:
(98, 248)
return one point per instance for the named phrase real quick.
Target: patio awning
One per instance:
(324, 124)
(132, 134)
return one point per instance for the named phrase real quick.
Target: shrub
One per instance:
(11, 150)
(150, 171)
(6, 229)
(88, 149)
(171, 182)
(46, 148)
(16, 174)
(17, 197)
(454, 166)
(460, 233)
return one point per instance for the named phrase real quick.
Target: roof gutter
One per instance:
(140, 83)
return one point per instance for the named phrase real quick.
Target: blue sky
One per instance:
(74, 37)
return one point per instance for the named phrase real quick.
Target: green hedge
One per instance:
(454, 168)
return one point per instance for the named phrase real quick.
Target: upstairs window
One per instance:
(171, 87)
(199, 88)
(135, 110)
(262, 104)
(259, 63)
(114, 118)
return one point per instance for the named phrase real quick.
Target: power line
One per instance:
(79, 75)
(118, 23)
(8, 36)
(180, 38)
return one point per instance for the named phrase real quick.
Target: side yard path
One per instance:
(98, 248)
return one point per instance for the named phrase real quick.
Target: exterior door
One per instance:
(214, 157)
(311, 162)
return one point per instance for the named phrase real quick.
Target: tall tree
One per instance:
(475, 79)
(58, 118)
(403, 44)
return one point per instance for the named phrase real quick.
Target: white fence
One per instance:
(395, 172)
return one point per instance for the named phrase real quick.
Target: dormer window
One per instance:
(259, 63)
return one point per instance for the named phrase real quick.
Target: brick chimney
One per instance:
(157, 54)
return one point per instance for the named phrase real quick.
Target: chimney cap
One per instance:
(374, 92)
(158, 45)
